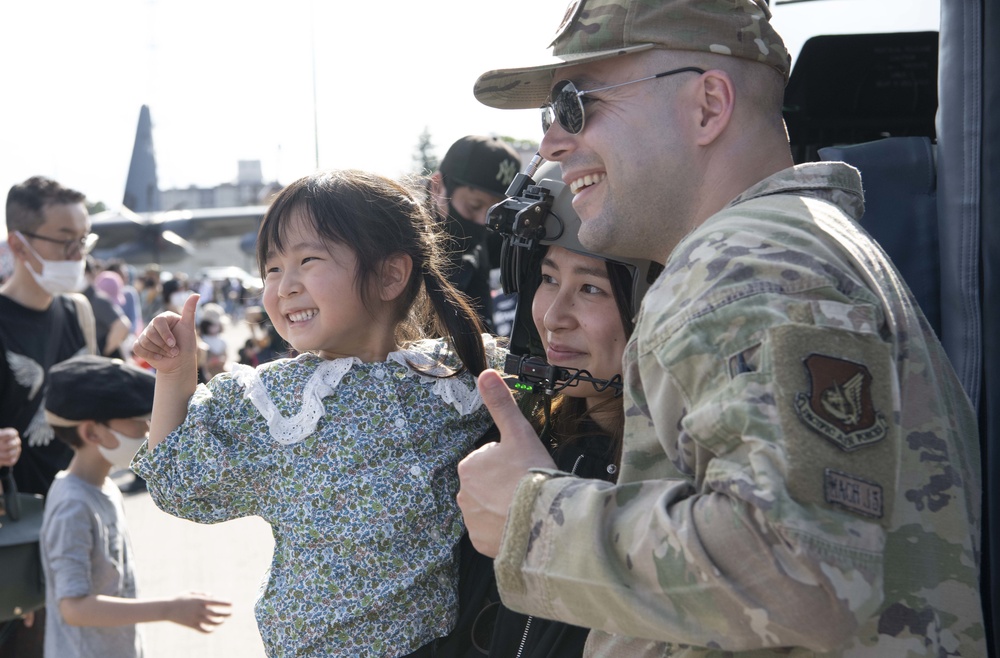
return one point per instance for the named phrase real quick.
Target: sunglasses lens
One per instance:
(548, 117)
(567, 107)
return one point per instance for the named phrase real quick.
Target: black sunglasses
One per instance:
(566, 106)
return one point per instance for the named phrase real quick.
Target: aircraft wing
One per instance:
(207, 223)
(159, 237)
(115, 227)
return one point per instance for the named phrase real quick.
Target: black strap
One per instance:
(55, 333)
(11, 503)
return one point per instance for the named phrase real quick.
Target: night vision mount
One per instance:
(534, 216)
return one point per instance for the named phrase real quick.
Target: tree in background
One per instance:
(522, 146)
(424, 159)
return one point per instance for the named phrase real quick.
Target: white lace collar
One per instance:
(324, 381)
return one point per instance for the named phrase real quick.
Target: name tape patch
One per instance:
(853, 493)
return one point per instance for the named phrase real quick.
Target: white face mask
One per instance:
(58, 276)
(121, 456)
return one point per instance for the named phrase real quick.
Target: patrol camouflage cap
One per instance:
(593, 30)
(485, 163)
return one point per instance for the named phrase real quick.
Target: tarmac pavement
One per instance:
(227, 560)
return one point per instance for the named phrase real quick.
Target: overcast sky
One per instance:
(230, 80)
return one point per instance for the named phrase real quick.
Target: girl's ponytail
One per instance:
(458, 319)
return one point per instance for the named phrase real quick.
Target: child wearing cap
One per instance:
(100, 407)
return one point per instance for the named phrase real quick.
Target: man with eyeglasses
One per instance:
(800, 472)
(43, 320)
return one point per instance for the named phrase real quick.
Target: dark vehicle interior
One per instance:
(912, 112)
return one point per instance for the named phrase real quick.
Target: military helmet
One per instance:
(543, 216)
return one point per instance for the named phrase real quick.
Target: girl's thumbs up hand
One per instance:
(169, 342)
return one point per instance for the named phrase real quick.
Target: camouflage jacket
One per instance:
(801, 470)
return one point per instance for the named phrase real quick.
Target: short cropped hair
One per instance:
(25, 202)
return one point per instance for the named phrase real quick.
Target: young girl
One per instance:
(349, 450)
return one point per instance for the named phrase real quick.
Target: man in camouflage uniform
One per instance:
(800, 472)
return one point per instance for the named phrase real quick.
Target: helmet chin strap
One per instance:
(530, 373)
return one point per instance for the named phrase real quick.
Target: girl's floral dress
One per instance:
(354, 467)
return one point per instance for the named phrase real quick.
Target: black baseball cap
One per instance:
(485, 163)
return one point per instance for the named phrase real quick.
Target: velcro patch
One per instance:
(835, 393)
(853, 493)
(569, 17)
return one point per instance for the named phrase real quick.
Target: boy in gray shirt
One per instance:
(100, 407)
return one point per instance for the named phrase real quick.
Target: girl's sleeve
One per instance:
(216, 465)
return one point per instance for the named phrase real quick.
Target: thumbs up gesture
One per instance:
(169, 342)
(490, 475)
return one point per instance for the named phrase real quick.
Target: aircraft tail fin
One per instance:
(142, 193)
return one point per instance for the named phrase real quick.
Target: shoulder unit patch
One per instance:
(839, 405)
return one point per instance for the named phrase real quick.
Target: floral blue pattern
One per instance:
(362, 509)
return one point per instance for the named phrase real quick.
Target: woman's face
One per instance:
(577, 318)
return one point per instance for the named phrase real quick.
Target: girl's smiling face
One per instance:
(577, 318)
(311, 298)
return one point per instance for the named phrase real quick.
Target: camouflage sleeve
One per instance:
(748, 553)
(758, 471)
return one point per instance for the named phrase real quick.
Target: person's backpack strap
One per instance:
(85, 316)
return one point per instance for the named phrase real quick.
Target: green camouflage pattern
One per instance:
(740, 525)
(740, 28)
(599, 29)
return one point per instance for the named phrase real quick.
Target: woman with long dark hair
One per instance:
(575, 315)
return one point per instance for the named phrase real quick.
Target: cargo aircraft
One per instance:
(139, 233)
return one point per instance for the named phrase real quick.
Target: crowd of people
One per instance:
(731, 430)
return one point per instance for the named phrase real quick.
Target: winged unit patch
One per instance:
(839, 405)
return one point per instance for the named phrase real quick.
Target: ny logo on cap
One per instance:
(506, 172)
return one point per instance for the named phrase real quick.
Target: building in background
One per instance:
(249, 189)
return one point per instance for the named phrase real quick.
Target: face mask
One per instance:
(121, 456)
(468, 233)
(58, 276)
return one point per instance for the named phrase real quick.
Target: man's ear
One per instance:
(717, 100)
(394, 276)
(17, 246)
(438, 193)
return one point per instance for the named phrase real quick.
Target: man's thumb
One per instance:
(506, 414)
